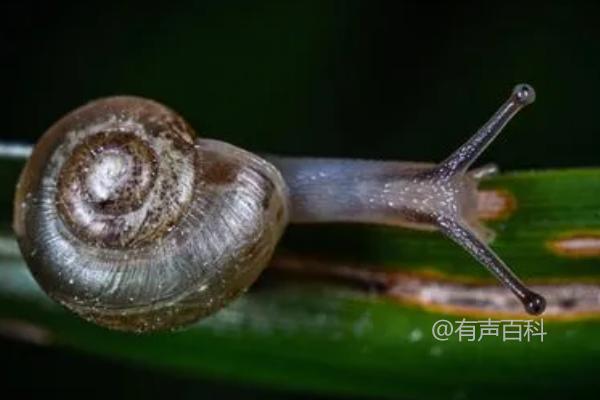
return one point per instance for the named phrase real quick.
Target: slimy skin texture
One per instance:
(128, 219)
(375, 192)
(413, 195)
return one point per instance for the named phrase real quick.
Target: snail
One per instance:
(129, 220)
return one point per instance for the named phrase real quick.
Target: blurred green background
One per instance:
(402, 80)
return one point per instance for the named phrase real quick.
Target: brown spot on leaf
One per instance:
(495, 204)
(437, 292)
(577, 245)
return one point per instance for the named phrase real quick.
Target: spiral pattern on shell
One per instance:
(128, 219)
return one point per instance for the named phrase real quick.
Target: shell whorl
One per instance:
(128, 219)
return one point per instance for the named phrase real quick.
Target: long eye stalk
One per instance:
(459, 231)
(459, 161)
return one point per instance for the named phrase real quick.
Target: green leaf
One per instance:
(330, 319)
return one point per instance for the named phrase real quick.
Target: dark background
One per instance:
(369, 79)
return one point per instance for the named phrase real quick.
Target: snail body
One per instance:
(128, 219)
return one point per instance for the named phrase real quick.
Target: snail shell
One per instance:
(129, 220)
